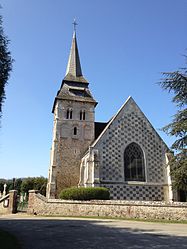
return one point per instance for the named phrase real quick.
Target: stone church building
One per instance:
(125, 155)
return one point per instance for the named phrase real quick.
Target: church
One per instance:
(125, 154)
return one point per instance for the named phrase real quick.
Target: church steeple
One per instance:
(74, 66)
(74, 86)
(74, 116)
(74, 71)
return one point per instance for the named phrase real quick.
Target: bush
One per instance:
(85, 194)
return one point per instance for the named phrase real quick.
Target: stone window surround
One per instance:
(134, 148)
(69, 113)
(145, 164)
(82, 115)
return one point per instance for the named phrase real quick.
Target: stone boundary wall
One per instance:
(8, 203)
(39, 204)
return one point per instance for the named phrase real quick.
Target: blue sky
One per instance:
(124, 46)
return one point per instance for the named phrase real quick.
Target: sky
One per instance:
(124, 46)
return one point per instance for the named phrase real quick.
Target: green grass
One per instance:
(121, 218)
(8, 241)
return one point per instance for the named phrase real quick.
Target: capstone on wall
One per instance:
(112, 208)
(8, 203)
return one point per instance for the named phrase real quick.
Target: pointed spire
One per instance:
(74, 66)
(74, 71)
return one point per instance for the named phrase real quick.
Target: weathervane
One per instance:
(74, 24)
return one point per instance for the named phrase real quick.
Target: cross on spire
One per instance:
(74, 66)
(74, 24)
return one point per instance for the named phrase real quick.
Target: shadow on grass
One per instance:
(87, 234)
(8, 241)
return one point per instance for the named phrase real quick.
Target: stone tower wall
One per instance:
(68, 148)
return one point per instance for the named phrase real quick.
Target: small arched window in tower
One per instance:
(134, 163)
(82, 115)
(75, 131)
(69, 113)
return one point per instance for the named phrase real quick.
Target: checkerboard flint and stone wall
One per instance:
(130, 125)
(135, 192)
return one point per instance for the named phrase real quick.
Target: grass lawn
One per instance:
(8, 241)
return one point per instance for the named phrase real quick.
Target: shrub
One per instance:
(85, 194)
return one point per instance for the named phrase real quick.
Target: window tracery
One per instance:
(134, 163)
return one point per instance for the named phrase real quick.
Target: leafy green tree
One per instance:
(27, 184)
(37, 183)
(176, 82)
(9, 184)
(2, 182)
(23, 185)
(40, 184)
(5, 64)
(17, 185)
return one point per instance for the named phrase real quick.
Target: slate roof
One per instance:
(74, 86)
(74, 71)
(99, 127)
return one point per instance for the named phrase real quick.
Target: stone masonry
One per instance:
(125, 155)
(39, 204)
(103, 164)
(73, 130)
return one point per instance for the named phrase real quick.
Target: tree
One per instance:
(37, 183)
(27, 184)
(40, 184)
(17, 185)
(176, 82)
(14, 183)
(23, 185)
(5, 64)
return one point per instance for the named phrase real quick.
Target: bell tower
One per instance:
(73, 130)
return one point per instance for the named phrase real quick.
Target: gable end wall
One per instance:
(130, 125)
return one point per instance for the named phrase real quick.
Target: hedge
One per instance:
(85, 194)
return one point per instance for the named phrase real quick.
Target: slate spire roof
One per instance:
(74, 71)
(74, 66)
(74, 86)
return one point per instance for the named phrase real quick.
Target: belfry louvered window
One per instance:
(69, 113)
(134, 163)
(82, 115)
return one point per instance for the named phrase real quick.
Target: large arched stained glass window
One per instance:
(134, 163)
